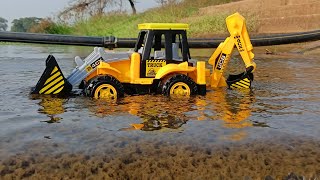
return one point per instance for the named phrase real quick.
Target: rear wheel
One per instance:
(104, 87)
(179, 85)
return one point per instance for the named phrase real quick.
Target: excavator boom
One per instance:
(239, 37)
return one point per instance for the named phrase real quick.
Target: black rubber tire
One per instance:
(168, 83)
(82, 84)
(99, 80)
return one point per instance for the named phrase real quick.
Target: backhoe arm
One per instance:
(238, 31)
(238, 37)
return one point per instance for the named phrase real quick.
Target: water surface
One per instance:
(271, 130)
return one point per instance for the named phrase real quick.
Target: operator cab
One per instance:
(160, 44)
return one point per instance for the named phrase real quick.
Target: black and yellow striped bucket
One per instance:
(52, 80)
(240, 81)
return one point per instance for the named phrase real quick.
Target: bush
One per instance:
(49, 27)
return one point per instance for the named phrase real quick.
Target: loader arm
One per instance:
(239, 38)
(53, 81)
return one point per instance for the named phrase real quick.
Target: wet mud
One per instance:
(279, 158)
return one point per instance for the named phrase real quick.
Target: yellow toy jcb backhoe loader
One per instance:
(160, 64)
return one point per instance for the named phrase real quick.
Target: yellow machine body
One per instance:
(128, 71)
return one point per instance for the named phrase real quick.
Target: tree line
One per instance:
(21, 24)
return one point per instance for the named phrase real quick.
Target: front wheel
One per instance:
(179, 85)
(104, 87)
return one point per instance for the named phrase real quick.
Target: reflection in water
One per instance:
(157, 112)
(158, 115)
(233, 107)
(51, 106)
(236, 136)
(151, 123)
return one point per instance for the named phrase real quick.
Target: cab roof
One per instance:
(163, 26)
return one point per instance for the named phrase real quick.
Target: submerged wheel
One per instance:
(105, 91)
(104, 87)
(179, 85)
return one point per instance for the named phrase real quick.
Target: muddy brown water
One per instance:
(268, 132)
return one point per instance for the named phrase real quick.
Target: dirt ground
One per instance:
(274, 16)
(279, 158)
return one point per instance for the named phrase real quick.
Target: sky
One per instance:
(15, 9)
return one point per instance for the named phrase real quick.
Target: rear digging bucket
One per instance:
(52, 80)
(240, 81)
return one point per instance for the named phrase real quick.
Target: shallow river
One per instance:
(272, 130)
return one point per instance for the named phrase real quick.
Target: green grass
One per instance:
(50, 27)
(59, 29)
(124, 25)
(205, 25)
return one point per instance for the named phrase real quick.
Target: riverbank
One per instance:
(206, 18)
(125, 25)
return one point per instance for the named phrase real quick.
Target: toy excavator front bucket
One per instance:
(52, 80)
(240, 81)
